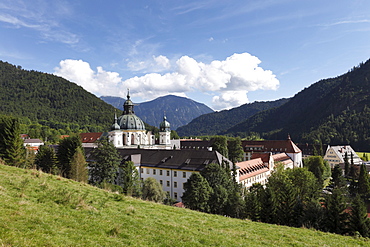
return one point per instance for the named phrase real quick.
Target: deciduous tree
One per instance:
(153, 191)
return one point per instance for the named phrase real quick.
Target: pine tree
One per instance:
(128, 178)
(105, 163)
(197, 193)
(46, 159)
(79, 170)
(346, 164)
(359, 222)
(363, 182)
(11, 144)
(66, 150)
(336, 217)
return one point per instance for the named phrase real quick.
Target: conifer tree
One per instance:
(336, 217)
(79, 170)
(128, 178)
(359, 222)
(197, 193)
(105, 163)
(66, 150)
(11, 144)
(346, 164)
(46, 159)
(363, 182)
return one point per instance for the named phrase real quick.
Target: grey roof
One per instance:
(193, 160)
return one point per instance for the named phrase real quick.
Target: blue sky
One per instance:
(221, 53)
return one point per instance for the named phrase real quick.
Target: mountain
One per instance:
(51, 100)
(213, 123)
(333, 111)
(178, 110)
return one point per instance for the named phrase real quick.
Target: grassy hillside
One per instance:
(38, 209)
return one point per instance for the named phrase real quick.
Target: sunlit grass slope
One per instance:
(38, 209)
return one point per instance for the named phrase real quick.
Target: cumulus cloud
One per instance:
(81, 73)
(229, 80)
(155, 64)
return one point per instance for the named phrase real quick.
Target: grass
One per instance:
(361, 155)
(39, 209)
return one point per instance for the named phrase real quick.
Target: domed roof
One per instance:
(115, 125)
(164, 125)
(130, 122)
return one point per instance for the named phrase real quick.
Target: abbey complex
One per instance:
(171, 162)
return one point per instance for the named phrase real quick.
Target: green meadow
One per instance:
(39, 209)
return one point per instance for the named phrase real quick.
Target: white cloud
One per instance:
(96, 82)
(229, 80)
(155, 64)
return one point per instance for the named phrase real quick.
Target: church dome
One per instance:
(164, 125)
(129, 121)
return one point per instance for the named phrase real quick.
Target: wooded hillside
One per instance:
(51, 100)
(332, 111)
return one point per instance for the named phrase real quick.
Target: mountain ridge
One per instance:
(178, 110)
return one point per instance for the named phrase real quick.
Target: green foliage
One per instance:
(197, 193)
(219, 144)
(128, 178)
(174, 135)
(153, 191)
(332, 111)
(217, 122)
(50, 103)
(66, 150)
(54, 211)
(363, 182)
(79, 170)
(105, 163)
(235, 150)
(359, 222)
(319, 167)
(11, 144)
(336, 218)
(346, 164)
(337, 178)
(46, 159)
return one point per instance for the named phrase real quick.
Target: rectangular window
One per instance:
(154, 171)
(141, 170)
(184, 174)
(161, 182)
(168, 173)
(147, 170)
(175, 195)
(175, 173)
(175, 184)
(160, 172)
(168, 183)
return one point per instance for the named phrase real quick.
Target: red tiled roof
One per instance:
(264, 156)
(251, 168)
(90, 137)
(283, 158)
